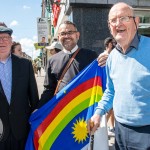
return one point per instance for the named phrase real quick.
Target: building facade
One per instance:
(90, 16)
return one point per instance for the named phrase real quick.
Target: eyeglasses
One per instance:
(123, 19)
(69, 33)
(5, 38)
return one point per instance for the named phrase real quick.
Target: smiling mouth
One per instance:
(68, 39)
(2, 47)
(120, 31)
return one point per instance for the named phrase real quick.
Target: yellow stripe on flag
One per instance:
(75, 102)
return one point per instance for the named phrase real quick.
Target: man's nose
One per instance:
(118, 21)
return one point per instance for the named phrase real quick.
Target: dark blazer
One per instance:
(24, 98)
(55, 67)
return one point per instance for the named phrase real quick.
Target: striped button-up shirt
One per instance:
(6, 77)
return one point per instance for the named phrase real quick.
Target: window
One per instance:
(144, 26)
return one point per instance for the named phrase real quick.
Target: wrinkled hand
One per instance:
(93, 124)
(102, 58)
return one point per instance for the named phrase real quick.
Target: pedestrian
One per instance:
(68, 36)
(18, 94)
(128, 82)
(34, 67)
(39, 66)
(54, 48)
(16, 49)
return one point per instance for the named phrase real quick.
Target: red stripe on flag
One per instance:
(69, 96)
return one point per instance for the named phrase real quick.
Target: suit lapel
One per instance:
(2, 94)
(1, 90)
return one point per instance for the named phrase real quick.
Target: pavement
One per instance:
(40, 81)
(111, 142)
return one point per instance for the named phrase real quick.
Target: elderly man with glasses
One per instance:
(68, 36)
(18, 94)
(128, 82)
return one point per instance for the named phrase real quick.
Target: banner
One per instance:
(62, 122)
(36, 46)
(43, 31)
(55, 11)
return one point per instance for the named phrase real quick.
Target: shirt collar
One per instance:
(7, 59)
(134, 44)
(72, 51)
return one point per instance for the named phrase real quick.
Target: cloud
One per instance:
(14, 37)
(26, 7)
(28, 47)
(14, 23)
(35, 38)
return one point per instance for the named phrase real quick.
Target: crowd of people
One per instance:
(126, 99)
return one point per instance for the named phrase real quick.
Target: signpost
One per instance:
(43, 31)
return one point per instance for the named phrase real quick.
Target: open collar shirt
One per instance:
(134, 44)
(72, 51)
(6, 77)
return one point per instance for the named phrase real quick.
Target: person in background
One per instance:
(55, 40)
(16, 49)
(34, 67)
(68, 36)
(109, 44)
(54, 48)
(128, 82)
(102, 58)
(18, 94)
(39, 66)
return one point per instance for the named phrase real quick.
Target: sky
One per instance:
(21, 16)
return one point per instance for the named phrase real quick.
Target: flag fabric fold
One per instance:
(61, 123)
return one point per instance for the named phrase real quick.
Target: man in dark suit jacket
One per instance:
(18, 94)
(68, 36)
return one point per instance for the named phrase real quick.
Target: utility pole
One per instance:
(43, 9)
(44, 59)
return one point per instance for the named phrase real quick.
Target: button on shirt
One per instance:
(6, 77)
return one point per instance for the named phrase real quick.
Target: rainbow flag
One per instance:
(61, 123)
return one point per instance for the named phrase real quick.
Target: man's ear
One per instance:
(58, 37)
(78, 35)
(109, 27)
(137, 21)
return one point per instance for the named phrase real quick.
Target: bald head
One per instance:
(123, 24)
(119, 7)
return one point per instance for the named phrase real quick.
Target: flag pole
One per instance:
(92, 142)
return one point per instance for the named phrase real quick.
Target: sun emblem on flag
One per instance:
(80, 130)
